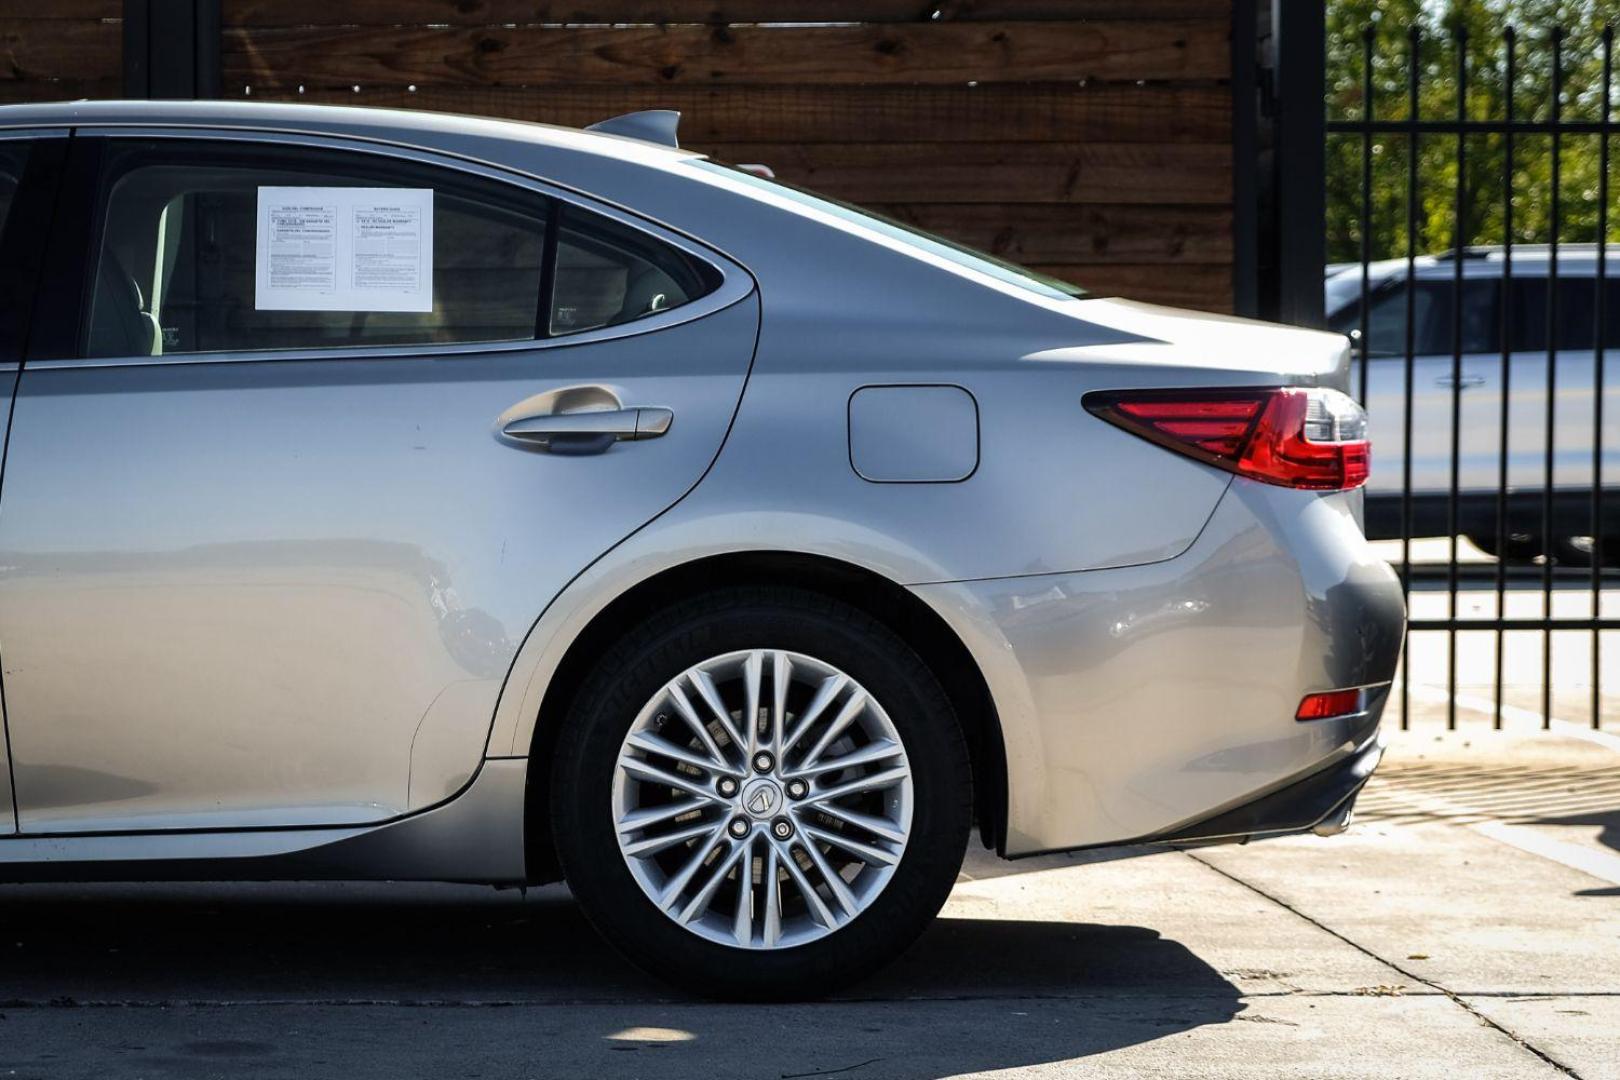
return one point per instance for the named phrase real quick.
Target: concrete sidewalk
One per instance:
(1422, 944)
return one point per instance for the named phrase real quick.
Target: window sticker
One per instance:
(344, 249)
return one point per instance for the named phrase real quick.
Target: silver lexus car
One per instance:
(397, 496)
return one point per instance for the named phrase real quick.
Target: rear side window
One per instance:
(13, 158)
(1482, 316)
(1432, 315)
(1577, 318)
(608, 274)
(221, 246)
(21, 241)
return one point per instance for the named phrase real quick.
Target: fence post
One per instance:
(171, 48)
(1299, 42)
(1245, 159)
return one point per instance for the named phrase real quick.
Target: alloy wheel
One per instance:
(762, 799)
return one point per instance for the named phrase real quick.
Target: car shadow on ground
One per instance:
(973, 994)
(1608, 823)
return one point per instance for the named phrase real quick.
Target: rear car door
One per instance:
(30, 166)
(1433, 340)
(1574, 388)
(329, 430)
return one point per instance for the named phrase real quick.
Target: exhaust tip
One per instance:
(1336, 822)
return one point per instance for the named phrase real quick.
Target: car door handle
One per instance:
(591, 431)
(1467, 381)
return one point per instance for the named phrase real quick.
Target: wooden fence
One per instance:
(58, 50)
(1090, 139)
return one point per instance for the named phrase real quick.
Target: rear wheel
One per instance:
(1516, 549)
(762, 793)
(1525, 548)
(1577, 551)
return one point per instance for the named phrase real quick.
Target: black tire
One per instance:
(1577, 551)
(628, 677)
(1521, 548)
(1572, 551)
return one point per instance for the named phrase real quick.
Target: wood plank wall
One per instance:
(55, 50)
(1090, 139)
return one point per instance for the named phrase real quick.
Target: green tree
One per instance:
(1478, 31)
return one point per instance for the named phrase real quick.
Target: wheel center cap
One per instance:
(761, 797)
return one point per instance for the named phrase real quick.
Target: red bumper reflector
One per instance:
(1331, 704)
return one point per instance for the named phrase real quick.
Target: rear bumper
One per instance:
(1321, 801)
(1142, 702)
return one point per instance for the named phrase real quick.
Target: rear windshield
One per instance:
(1009, 273)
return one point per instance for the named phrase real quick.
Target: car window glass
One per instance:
(13, 157)
(1433, 332)
(1611, 313)
(1386, 319)
(1386, 322)
(175, 271)
(1481, 317)
(1527, 312)
(1576, 316)
(1343, 290)
(608, 274)
(938, 246)
(19, 250)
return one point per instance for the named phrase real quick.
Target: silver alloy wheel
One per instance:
(762, 799)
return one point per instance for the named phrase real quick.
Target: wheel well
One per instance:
(877, 596)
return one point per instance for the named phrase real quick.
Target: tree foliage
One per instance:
(1478, 32)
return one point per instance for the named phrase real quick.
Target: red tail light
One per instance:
(1299, 438)
(1333, 703)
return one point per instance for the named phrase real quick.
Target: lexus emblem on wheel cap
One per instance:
(761, 798)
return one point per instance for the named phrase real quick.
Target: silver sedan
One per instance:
(405, 496)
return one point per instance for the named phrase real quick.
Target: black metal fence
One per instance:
(1528, 116)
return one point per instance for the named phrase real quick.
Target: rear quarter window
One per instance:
(938, 246)
(609, 274)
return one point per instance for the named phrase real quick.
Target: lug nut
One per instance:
(727, 786)
(739, 828)
(797, 789)
(764, 762)
(781, 828)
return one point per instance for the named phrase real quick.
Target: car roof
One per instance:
(718, 206)
(403, 126)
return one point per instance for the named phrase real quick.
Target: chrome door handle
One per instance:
(591, 431)
(1467, 381)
